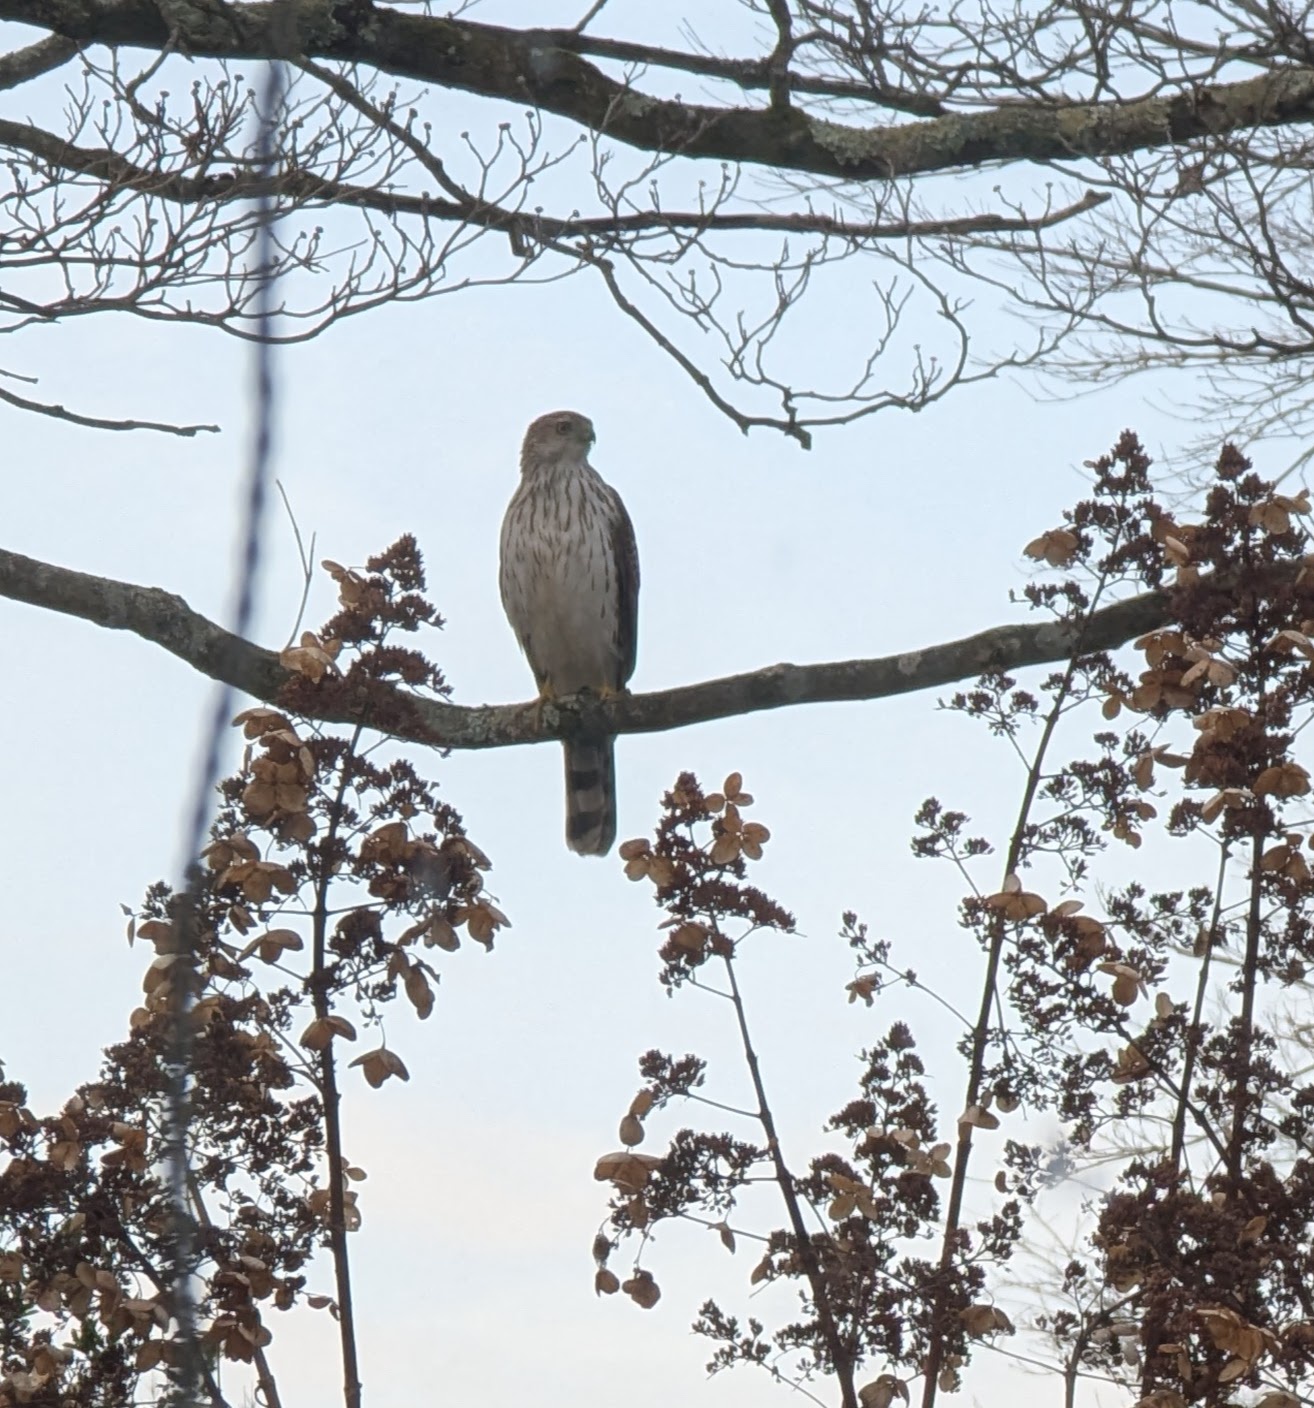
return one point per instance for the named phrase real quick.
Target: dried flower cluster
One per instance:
(331, 876)
(1152, 1023)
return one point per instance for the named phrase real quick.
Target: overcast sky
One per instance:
(473, 1266)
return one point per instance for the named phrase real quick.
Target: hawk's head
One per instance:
(556, 436)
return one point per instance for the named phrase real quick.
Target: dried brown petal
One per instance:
(979, 1117)
(642, 1289)
(378, 1066)
(628, 1171)
(880, 1393)
(1056, 546)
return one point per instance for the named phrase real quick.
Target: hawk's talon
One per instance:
(546, 695)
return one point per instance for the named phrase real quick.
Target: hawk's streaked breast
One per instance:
(570, 588)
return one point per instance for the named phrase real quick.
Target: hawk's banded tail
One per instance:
(591, 796)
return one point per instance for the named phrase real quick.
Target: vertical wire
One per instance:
(189, 1369)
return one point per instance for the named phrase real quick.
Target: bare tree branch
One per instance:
(752, 74)
(38, 58)
(308, 187)
(1175, 234)
(166, 620)
(99, 422)
(534, 66)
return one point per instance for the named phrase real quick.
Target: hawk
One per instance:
(570, 588)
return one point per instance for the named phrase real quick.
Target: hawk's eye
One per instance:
(563, 427)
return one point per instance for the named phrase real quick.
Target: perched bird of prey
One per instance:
(570, 588)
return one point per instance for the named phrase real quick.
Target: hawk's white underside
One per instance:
(560, 584)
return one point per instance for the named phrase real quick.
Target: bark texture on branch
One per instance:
(540, 67)
(168, 621)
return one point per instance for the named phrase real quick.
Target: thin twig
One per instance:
(1193, 1035)
(594, 11)
(840, 1355)
(332, 1100)
(99, 422)
(1241, 1097)
(264, 1374)
(307, 569)
(981, 1030)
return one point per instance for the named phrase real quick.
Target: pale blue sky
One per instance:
(480, 1206)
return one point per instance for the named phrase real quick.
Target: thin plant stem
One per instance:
(840, 1355)
(989, 1002)
(1197, 1015)
(351, 1386)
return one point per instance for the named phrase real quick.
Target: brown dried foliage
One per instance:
(1152, 1028)
(330, 876)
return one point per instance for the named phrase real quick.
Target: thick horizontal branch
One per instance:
(168, 621)
(539, 67)
(22, 65)
(306, 187)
